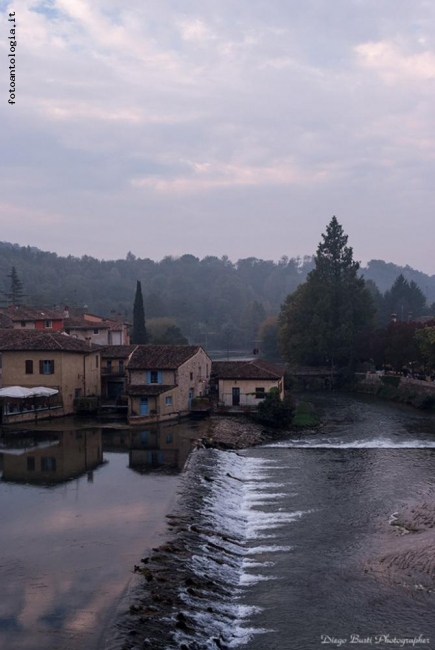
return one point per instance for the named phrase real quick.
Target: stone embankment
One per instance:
(415, 392)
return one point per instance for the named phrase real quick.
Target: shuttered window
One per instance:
(29, 367)
(46, 367)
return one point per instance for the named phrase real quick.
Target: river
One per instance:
(71, 534)
(289, 546)
(285, 546)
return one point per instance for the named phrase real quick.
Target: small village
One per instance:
(83, 363)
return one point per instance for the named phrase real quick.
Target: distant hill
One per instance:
(215, 301)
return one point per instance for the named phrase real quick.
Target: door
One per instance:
(144, 405)
(236, 396)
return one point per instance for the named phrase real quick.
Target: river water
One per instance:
(286, 546)
(77, 512)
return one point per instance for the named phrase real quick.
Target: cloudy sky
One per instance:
(219, 127)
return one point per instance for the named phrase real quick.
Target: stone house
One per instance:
(98, 330)
(164, 379)
(33, 358)
(114, 359)
(241, 384)
(18, 317)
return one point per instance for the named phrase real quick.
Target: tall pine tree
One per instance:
(139, 334)
(16, 294)
(321, 320)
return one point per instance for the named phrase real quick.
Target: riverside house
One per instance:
(32, 358)
(114, 359)
(242, 384)
(164, 379)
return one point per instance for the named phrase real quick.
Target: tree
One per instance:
(405, 299)
(165, 331)
(425, 339)
(139, 333)
(275, 412)
(16, 294)
(320, 322)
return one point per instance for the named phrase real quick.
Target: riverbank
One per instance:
(409, 561)
(420, 394)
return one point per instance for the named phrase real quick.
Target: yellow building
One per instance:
(32, 358)
(243, 384)
(164, 379)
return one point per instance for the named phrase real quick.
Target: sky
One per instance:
(213, 127)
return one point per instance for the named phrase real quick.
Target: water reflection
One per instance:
(49, 457)
(167, 446)
(76, 516)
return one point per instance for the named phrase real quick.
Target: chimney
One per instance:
(394, 318)
(66, 311)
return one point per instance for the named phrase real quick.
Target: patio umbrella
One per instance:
(43, 391)
(16, 391)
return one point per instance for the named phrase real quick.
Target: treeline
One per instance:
(214, 301)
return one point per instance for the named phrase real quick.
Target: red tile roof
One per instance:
(31, 313)
(254, 369)
(117, 351)
(161, 357)
(41, 340)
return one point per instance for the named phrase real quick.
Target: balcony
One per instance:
(113, 372)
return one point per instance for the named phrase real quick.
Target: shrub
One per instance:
(274, 412)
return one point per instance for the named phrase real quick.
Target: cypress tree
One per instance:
(16, 294)
(139, 334)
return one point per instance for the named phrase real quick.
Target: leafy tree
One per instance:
(164, 331)
(321, 320)
(274, 412)
(268, 335)
(15, 294)
(402, 349)
(139, 333)
(425, 339)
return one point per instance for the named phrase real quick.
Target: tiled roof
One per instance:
(117, 351)
(76, 322)
(31, 313)
(5, 321)
(41, 340)
(148, 390)
(255, 369)
(161, 357)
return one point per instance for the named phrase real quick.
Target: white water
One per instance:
(232, 522)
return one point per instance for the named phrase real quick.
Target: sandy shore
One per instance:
(409, 561)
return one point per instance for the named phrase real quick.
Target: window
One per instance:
(96, 361)
(96, 331)
(169, 400)
(23, 323)
(47, 323)
(260, 393)
(121, 365)
(191, 376)
(169, 438)
(78, 393)
(30, 463)
(46, 367)
(29, 366)
(48, 464)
